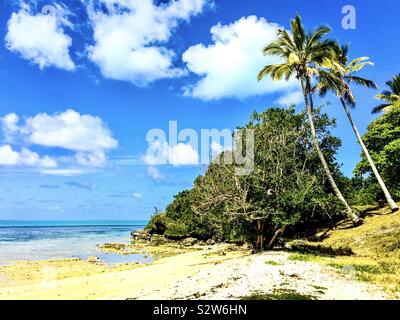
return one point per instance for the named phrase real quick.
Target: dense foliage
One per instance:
(285, 190)
(383, 140)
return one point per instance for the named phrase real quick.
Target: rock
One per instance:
(246, 246)
(158, 239)
(113, 246)
(210, 242)
(189, 241)
(140, 235)
(135, 235)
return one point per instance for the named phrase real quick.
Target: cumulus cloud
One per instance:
(291, 98)
(10, 157)
(69, 130)
(179, 154)
(85, 135)
(10, 125)
(131, 37)
(228, 67)
(40, 38)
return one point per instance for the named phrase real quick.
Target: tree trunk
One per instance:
(260, 235)
(356, 219)
(388, 197)
(276, 234)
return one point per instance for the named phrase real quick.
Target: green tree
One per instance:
(284, 189)
(338, 80)
(303, 55)
(382, 138)
(180, 210)
(390, 97)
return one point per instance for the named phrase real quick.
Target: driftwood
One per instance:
(276, 234)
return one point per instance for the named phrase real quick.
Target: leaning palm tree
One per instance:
(390, 97)
(303, 55)
(338, 81)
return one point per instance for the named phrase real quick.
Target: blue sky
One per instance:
(82, 85)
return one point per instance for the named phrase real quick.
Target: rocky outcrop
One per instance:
(113, 246)
(140, 235)
(190, 242)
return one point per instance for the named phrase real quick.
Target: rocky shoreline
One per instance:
(160, 246)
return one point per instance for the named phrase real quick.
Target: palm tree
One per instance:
(303, 55)
(338, 81)
(391, 97)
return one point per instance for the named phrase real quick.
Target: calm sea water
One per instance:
(39, 240)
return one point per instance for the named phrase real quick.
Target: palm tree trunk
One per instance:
(388, 197)
(356, 219)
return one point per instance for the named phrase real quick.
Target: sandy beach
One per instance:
(210, 272)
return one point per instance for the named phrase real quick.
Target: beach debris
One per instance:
(94, 259)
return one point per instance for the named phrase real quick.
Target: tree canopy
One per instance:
(286, 189)
(383, 140)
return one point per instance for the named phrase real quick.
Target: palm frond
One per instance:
(276, 71)
(350, 99)
(389, 98)
(275, 49)
(344, 54)
(380, 108)
(362, 81)
(287, 39)
(316, 36)
(394, 84)
(298, 33)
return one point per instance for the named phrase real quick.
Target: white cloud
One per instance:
(229, 66)
(64, 172)
(40, 38)
(155, 173)
(95, 158)
(10, 125)
(131, 37)
(32, 159)
(183, 154)
(180, 154)
(69, 130)
(10, 157)
(291, 98)
(85, 135)
(137, 196)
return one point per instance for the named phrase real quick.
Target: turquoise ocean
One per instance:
(42, 240)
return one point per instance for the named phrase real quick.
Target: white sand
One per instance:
(205, 274)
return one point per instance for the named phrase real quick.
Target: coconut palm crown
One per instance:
(339, 80)
(390, 97)
(302, 53)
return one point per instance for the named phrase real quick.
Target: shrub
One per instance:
(157, 224)
(176, 230)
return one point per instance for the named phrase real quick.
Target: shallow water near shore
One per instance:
(43, 240)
